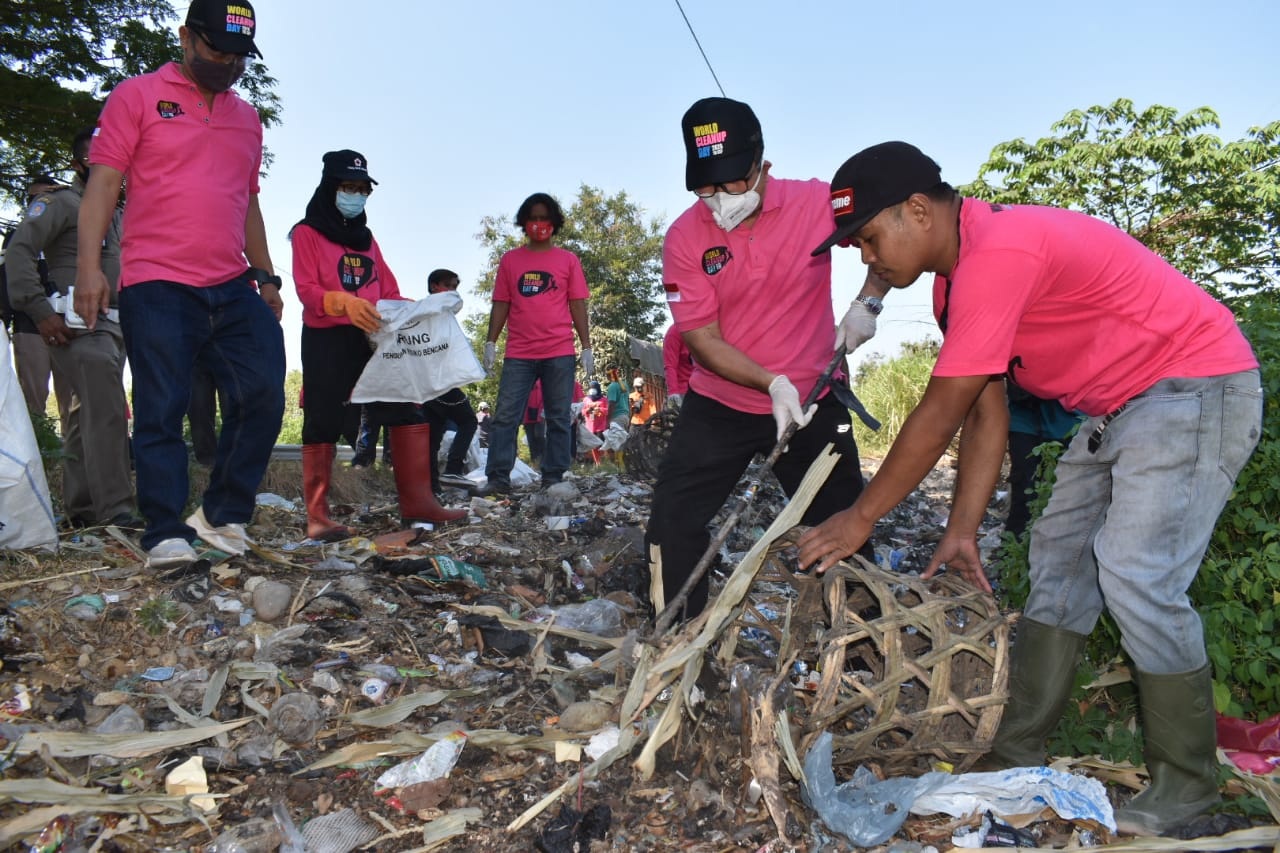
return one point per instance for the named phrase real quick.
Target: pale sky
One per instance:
(464, 109)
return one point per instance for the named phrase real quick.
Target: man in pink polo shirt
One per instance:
(755, 311)
(196, 281)
(1076, 310)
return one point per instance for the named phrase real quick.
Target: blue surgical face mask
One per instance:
(350, 205)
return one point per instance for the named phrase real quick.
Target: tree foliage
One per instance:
(1211, 208)
(60, 58)
(621, 254)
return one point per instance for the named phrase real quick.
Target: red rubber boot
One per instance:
(317, 469)
(411, 450)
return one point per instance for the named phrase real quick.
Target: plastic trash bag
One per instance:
(420, 352)
(1020, 790)
(865, 810)
(587, 440)
(615, 437)
(26, 514)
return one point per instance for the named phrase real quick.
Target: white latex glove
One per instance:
(786, 405)
(857, 327)
(674, 401)
(588, 362)
(490, 353)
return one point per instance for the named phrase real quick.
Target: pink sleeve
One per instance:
(255, 178)
(693, 302)
(577, 280)
(306, 269)
(502, 281)
(119, 127)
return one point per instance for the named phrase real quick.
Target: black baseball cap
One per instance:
(873, 179)
(346, 165)
(230, 27)
(721, 138)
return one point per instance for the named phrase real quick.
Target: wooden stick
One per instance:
(668, 616)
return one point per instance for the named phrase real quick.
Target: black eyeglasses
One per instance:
(737, 187)
(244, 57)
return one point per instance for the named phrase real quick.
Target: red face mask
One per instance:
(539, 231)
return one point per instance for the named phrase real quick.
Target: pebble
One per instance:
(271, 600)
(585, 716)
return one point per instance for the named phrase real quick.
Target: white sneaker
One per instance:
(227, 538)
(169, 553)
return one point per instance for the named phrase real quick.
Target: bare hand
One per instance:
(54, 330)
(93, 295)
(960, 554)
(834, 539)
(271, 296)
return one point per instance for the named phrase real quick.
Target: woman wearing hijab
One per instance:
(340, 275)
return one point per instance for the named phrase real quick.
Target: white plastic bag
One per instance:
(26, 514)
(420, 352)
(587, 440)
(615, 437)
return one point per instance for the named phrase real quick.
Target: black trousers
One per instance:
(332, 360)
(451, 408)
(710, 448)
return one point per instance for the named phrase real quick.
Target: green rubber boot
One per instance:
(1180, 745)
(1042, 671)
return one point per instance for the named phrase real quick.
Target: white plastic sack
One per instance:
(615, 437)
(26, 514)
(475, 459)
(1020, 791)
(420, 352)
(587, 440)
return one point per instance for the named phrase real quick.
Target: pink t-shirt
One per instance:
(772, 300)
(320, 265)
(595, 413)
(677, 362)
(539, 286)
(1075, 310)
(191, 167)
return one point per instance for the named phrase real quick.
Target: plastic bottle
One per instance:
(252, 836)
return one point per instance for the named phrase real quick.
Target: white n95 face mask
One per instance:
(730, 211)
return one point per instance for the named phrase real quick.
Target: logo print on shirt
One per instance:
(715, 259)
(535, 282)
(169, 109)
(709, 139)
(355, 271)
(673, 291)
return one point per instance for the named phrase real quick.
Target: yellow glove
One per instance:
(361, 313)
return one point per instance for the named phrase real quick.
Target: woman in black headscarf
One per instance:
(340, 275)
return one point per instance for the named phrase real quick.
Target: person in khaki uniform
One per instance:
(96, 484)
(30, 352)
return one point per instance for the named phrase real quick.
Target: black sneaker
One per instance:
(456, 479)
(499, 487)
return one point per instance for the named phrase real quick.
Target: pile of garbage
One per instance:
(483, 686)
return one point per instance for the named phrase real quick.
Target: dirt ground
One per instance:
(336, 663)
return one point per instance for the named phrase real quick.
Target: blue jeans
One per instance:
(1127, 526)
(518, 376)
(229, 331)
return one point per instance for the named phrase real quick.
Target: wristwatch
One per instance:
(261, 277)
(874, 305)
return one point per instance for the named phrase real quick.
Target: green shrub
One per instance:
(890, 389)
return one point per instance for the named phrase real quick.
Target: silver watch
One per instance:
(874, 304)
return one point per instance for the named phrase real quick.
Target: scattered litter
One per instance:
(433, 764)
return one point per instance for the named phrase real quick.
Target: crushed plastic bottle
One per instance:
(435, 763)
(253, 836)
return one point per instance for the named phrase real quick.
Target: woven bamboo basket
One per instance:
(909, 671)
